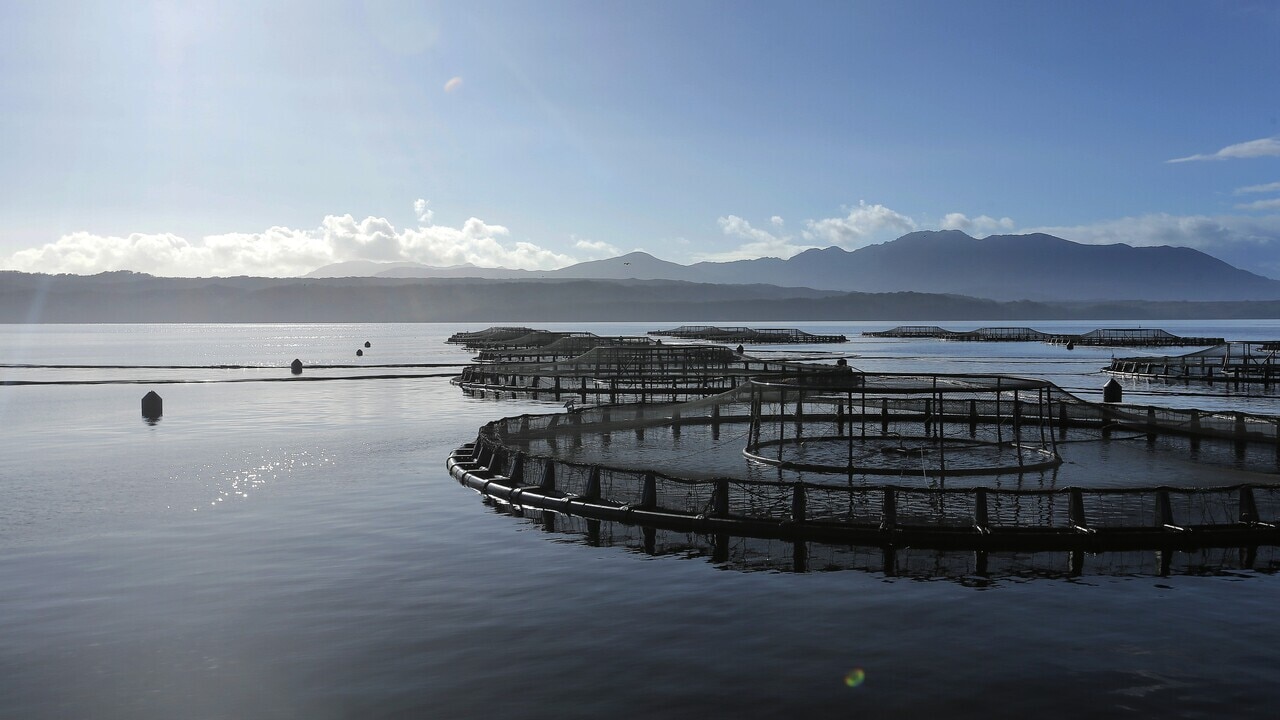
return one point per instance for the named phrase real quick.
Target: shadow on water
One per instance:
(968, 567)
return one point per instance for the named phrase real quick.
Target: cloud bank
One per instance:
(288, 252)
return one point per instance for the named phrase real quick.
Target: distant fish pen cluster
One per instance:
(745, 335)
(1105, 337)
(1230, 363)
(944, 461)
(626, 372)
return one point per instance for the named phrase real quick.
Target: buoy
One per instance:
(152, 406)
(842, 363)
(359, 353)
(1112, 392)
(366, 344)
(296, 366)
(740, 349)
(1071, 344)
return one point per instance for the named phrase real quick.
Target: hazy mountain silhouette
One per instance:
(135, 297)
(1000, 267)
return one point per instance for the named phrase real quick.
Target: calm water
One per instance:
(296, 549)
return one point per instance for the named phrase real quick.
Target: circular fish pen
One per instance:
(946, 461)
(893, 425)
(632, 373)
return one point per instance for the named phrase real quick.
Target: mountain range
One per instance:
(1035, 267)
(125, 297)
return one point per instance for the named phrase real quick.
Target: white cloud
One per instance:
(776, 221)
(453, 84)
(1272, 204)
(761, 243)
(979, 226)
(1269, 187)
(286, 252)
(423, 213)
(862, 226)
(597, 248)
(1262, 147)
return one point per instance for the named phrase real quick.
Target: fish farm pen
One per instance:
(772, 554)
(1107, 337)
(630, 372)
(967, 462)
(1232, 363)
(563, 348)
(744, 335)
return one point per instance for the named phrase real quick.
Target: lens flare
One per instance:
(855, 677)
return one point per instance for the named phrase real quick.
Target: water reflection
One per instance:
(976, 568)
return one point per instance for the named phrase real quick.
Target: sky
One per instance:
(224, 138)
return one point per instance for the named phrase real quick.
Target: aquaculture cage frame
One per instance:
(1231, 363)
(882, 423)
(636, 372)
(526, 461)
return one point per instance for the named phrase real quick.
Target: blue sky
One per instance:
(223, 138)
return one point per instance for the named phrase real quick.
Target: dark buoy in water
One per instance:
(842, 363)
(1112, 392)
(366, 344)
(739, 349)
(359, 353)
(1071, 344)
(152, 406)
(295, 367)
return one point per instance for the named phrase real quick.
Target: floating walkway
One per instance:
(1107, 337)
(745, 335)
(1233, 363)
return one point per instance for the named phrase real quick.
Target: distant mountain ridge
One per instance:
(1036, 267)
(135, 297)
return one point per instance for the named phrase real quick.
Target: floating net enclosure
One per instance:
(1112, 337)
(898, 424)
(981, 462)
(1233, 362)
(755, 336)
(564, 348)
(969, 567)
(631, 372)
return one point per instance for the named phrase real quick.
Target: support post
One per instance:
(1075, 510)
(980, 520)
(592, 491)
(889, 510)
(720, 499)
(799, 503)
(548, 475)
(1248, 508)
(649, 494)
(517, 470)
